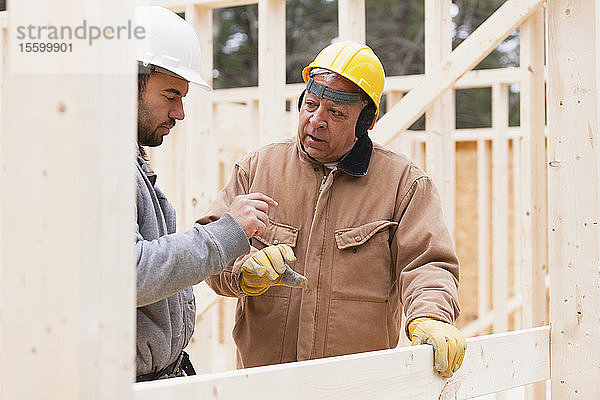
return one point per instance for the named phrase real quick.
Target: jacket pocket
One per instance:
(362, 262)
(276, 233)
(355, 327)
(259, 330)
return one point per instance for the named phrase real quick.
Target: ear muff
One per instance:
(301, 99)
(366, 117)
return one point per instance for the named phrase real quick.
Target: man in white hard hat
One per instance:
(169, 263)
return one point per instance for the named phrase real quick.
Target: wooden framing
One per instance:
(63, 233)
(500, 207)
(387, 374)
(573, 193)
(466, 56)
(532, 233)
(440, 147)
(180, 5)
(67, 292)
(351, 20)
(201, 174)
(271, 71)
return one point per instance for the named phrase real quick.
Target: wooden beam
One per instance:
(573, 193)
(472, 79)
(464, 58)
(66, 209)
(440, 117)
(485, 320)
(180, 5)
(500, 234)
(3, 55)
(534, 237)
(483, 227)
(492, 363)
(271, 70)
(531, 239)
(200, 183)
(351, 20)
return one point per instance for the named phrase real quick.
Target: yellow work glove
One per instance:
(268, 267)
(448, 343)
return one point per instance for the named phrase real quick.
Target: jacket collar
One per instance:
(356, 161)
(148, 171)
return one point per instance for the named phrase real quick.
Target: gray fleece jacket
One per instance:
(168, 264)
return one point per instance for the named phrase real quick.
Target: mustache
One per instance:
(169, 124)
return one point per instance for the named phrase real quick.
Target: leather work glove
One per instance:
(448, 343)
(268, 267)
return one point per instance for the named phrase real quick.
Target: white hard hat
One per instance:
(169, 43)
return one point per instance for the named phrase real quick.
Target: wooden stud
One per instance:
(68, 279)
(3, 57)
(500, 207)
(573, 193)
(515, 226)
(201, 166)
(465, 57)
(485, 321)
(271, 70)
(439, 119)
(351, 20)
(532, 234)
(533, 188)
(180, 5)
(483, 227)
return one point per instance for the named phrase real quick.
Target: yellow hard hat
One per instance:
(355, 62)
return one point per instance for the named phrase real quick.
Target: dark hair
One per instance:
(144, 73)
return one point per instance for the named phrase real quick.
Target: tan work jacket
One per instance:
(368, 235)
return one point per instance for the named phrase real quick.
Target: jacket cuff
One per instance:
(230, 238)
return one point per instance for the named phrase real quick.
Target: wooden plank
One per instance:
(532, 235)
(440, 117)
(201, 173)
(351, 20)
(271, 70)
(534, 214)
(483, 227)
(485, 320)
(465, 57)
(180, 5)
(500, 206)
(515, 226)
(3, 55)
(573, 193)
(66, 205)
(492, 363)
(472, 79)
(3, 75)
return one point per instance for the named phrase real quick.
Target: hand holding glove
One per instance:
(268, 267)
(448, 343)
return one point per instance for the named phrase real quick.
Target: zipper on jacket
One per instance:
(323, 180)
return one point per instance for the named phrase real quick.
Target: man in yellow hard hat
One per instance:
(363, 224)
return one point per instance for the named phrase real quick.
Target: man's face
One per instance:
(160, 105)
(326, 128)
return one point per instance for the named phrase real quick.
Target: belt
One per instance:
(182, 366)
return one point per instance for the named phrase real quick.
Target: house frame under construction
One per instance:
(67, 295)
